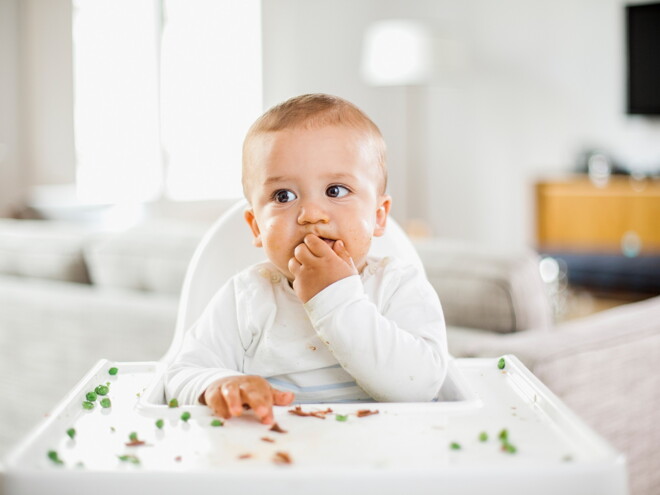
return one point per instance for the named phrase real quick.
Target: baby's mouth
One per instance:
(329, 242)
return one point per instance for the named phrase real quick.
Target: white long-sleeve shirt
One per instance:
(379, 335)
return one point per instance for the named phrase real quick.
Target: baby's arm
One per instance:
(207, 368)
(397, 353)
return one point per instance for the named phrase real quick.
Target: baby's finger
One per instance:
(316, 245)
(281, 398)
(261, 402)
(303, 254)
(214, 399)
(341, 251)
(232, 396)
(294, 266)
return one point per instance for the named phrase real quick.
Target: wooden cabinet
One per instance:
(621, 216)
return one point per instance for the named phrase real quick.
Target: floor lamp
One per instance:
(399, 53)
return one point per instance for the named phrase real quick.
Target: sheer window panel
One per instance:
(211, 92)
(115, 44)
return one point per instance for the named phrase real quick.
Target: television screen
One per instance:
(643, 51)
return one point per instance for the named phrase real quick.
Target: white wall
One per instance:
(544, 80)
(11, 178)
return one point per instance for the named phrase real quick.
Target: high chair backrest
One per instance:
(227, 248)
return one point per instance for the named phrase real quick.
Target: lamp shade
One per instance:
(397, 52)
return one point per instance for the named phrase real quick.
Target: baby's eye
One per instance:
(284, 196)
(336, 191)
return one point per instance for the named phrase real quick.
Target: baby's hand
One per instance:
(227, 396)
(315, 265)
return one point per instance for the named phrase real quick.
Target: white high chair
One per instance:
(420, 448)
(227, 248)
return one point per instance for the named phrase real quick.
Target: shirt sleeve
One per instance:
(397, 353)
(212, 349)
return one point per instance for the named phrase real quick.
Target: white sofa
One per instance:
(70, 296)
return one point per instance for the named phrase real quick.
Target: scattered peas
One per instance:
(508, 448)
(341, 417)
(71, 432)
(185, 416)
(105, 403)
(129, 458)
(90, 396)
(88, 405)
(501, 363)
(113, 371)
(217, 422)
(160, 423)
(483, 436)
(173, 403)
(102, 390)
(53, 456)
(455, 446)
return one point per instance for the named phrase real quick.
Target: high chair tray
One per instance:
(495, 431)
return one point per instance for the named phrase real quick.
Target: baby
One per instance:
(321, 319)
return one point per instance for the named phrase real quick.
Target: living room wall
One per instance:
(543, 80)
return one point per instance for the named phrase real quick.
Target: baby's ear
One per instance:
(254, 227)
(384, 205)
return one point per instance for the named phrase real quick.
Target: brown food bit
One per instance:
(177, 458)
(267, 439)
(135, 443)
(245, 456)
(317, 414)
(366, 412)
(282, 458)
(277, 429)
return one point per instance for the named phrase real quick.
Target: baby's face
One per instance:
(315, 181)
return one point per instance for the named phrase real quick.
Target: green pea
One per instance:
(341, 417)
(105, 403)
(501, 363)
(508, 448)
(173, 403)
(185, 416)
(53, 456)
(88, 405)
(483, 436)
(455, 446)
(160, 423)
(71, 432)
(90, 396)
(133, 436)
(504, 435)
(113, 371)
(129, 458)
(217, 422)
(102, 390)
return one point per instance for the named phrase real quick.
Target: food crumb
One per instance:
(317, 414)
(277, 429)
(245, 456)
(267, 439)
(178, 458)
(365, 412)
(282, 458)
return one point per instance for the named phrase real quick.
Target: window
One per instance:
(164, 93)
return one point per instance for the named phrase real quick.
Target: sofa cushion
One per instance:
(152, 256)
(481, 288)
(43, 249)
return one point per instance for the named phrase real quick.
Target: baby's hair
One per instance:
(314, 111)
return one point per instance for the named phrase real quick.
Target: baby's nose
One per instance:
(312, 212)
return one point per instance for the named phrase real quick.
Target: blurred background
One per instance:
(111, 110)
